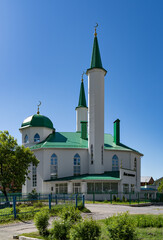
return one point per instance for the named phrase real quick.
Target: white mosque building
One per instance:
(86, 160)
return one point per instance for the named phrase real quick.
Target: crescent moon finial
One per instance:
(82, 76)
(38, 112)
(95, 29)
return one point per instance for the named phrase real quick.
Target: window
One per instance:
(61, 188)
(34, 176)
(99, 187)
(26, 139)
(76, 164)
(90, 187)
(125, 188)
(51, 189)
(135, 164)
(53, 166)
(115, 163)
(91, 153)
(36, 137)
(76, 188)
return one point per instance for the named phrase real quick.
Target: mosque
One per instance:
(87, 160)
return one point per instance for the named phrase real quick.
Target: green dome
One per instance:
(37, 120)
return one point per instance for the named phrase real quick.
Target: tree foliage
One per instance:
(14, 162)
(160, 188)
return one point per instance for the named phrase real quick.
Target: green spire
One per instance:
(96, 58)
(82, 100)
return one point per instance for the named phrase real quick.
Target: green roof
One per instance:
(74, 140)
(96, 58)
(82, 99)
(105, 176)
(37, 120)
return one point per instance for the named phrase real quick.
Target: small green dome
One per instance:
(37, 120)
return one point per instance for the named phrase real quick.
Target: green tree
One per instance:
(160, 188)
(14, 162)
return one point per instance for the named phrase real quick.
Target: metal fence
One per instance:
(27, 205)
(126, 198)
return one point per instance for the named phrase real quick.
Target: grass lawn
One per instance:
(116, 202)
(25, 212)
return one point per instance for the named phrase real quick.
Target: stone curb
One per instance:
(27, 238)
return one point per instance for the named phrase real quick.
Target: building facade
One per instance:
(86, 160)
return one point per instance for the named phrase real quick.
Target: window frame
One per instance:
(76, 165)
(36, 138)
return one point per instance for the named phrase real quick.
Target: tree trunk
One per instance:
(5, 193)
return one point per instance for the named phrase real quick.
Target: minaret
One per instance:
(96, 75)
(81, 109)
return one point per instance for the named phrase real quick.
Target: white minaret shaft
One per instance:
(96, 111)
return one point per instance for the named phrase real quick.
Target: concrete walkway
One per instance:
(99, 211)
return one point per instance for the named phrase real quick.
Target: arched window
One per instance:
(76, 164)
(54, 166)
(36, 137)
(135, 164)
(115, 163)
(26, 139)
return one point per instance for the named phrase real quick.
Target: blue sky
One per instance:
(46, 45)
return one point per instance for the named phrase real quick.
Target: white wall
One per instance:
(31, 131)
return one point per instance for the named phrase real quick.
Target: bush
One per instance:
(70, 214)
(41, 221)
(38, 204)
(33, 195)
(85, 230)
(123, 199)
(118, 199)
(114, 198)
(121, 227)
(60, 230)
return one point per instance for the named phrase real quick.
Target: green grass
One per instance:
(115, 202)
(143, 232)
(25, 212)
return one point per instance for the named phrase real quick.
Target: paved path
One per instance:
(99, 211)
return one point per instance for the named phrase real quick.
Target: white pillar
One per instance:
(84, 187)
(96, 119)
(70, 187)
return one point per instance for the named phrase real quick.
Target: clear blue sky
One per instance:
(46, 45)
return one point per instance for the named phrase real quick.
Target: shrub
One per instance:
(85, 230)
(118, 199)
(60, 230)
(70, 214)
(121, 227)
(41, 221)
(38, 204)
(114, 198)
(33, 195)
(123, 199)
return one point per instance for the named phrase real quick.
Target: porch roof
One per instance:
(112, 175)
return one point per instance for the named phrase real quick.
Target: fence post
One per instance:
(14, 206)
(76, 200)
(56, 200)
(50, 201)
(83, 200)
(138, 197)
(93, 197)
(129, 197)
(111, 198)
